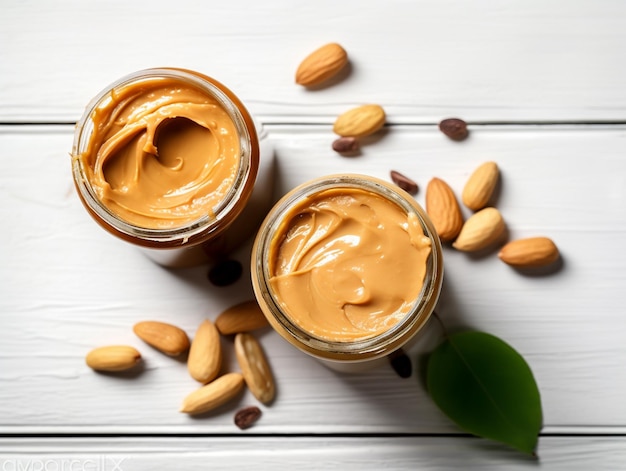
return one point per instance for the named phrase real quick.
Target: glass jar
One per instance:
(227, 222)
(340, 354)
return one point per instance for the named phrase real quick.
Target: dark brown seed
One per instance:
(245, 417)
(225, 273)
(454, 128)
(404, 182)
(344, 145)
(401, 363)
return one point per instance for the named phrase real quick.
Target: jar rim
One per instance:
(206, 226)
(360, 349)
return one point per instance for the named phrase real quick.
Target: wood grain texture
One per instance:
(308, 453)
(67, 286)
(422, 60)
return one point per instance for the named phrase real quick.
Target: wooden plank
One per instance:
(306, 453)
(422, 60)
(68, 286)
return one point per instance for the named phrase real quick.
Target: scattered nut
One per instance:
(167, 338)
(530, 252)
(480, 186)
(321, 65)
(361, 121)
(443, 209)
(246, 417)
(401, 363)
(404, 182)
(242, 317)
(205, 355)
(255, 368)
(480, 231)
(454, 128)
(113, 358)
(225, 273)
(213, 395)
(346, 145)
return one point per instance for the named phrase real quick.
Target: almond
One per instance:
(360, 121)
(166, 338)
(205, 354)
(213, 395)
(480, 231)
(255, 368)
(530, 252)
(480, 186)
(242, 317)
(113, 358)
(321, 64)
(443, 209)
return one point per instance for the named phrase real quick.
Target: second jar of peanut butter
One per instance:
(347, 269)
(171, 161)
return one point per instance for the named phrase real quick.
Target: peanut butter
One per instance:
(162, 154)
(348, 264)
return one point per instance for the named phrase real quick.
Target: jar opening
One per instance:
(198, 217)
(355, 349)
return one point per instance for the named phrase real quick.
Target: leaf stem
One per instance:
(443, 327)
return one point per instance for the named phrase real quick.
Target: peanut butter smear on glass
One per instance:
(163, 153)
(348, 264)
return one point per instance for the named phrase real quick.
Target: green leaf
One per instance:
(487, 388)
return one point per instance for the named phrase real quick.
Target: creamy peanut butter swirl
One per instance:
(348, 264)
(163, 153)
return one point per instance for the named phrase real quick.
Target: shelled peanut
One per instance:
(113, 358)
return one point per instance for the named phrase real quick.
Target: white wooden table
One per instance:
(543, 86)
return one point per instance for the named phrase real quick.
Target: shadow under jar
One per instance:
(348, 269)
(171, 161)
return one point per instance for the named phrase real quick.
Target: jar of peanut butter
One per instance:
(347, 268)
(171, 161)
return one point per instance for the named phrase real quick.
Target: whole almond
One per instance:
(255, 368)
(480, 231)
(113, 358)
(205, 355)
(443, 209)
(360, 121)
(213, 395)
(166, 338)
(480, 186)
(454, 128)
(530, 252)
(242, 317)
(321, 65)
